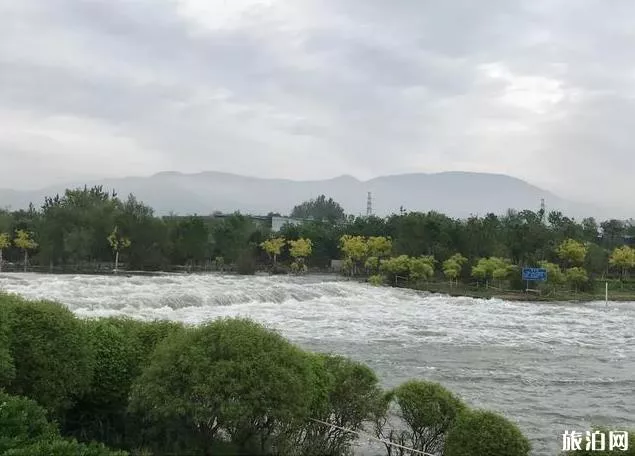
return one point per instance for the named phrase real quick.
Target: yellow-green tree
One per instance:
(24, 241)
(5, 243)
(421, 268)
(354, 248)
(379, 246)
(299, 250)
(624, 259)
(117, 243)
(555, 276)
(572, 252)
(493, 267)
(273, 247)
(452, 267)
(577, 276)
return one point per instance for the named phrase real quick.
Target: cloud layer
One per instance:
(306, 89)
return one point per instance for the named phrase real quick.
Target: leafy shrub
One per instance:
(425, 410)
(59, 447)
(481, 433)
(230, 378)
(348, 394)
(22, 422)
(51, 353)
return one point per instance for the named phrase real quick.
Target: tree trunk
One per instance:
(0, 260)
(116, 261)
(26, 258)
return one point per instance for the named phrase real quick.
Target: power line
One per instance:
(368, 436)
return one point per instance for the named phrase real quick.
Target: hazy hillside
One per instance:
(457, 194)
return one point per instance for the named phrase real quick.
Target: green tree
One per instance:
(353, 396)
(228, 377)
(52, 356)
(319, 209)
(426, 411)
(577, 276)
(379, 246)
(396, 267)
(273, 247)
(5, 243)
(354, 248)
(24, 241)
(624, 259)
(452, 266)
(22, 422)
(481, 433)
(300, 249)
(421, 268)
(572, 252)
(555, 276)
(118, 243)
(497, 268)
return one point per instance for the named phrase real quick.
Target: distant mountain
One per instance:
(458, 194)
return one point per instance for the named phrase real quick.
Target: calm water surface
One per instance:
(549, 367)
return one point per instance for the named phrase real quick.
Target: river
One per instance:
(548, 367)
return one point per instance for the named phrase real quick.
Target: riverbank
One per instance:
(462, 290)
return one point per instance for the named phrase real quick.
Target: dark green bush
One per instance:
(122, 348)
(228, 378)
(347, 394)
(22, 422)
(482, 433)
(425, 411)
(51, 353)
(59, 447)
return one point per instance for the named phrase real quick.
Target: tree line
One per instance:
(91, 226)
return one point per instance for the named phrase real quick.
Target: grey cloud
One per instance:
(364, 87)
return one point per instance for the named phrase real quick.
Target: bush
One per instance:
(376, 280)
(347, 394)
(51, 353)
(122, 348)
(22, 422)
(7, 367)
(481, 433)
(427, 411)
(59, 447)
(230, 378)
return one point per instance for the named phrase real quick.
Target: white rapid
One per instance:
(549, 367)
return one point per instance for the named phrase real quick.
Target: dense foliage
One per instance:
(227, 387)
(92, 227)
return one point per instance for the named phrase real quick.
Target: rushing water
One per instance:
(549, 367)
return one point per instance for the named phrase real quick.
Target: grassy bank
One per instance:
(616, 292)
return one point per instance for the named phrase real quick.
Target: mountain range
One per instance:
(457, 194)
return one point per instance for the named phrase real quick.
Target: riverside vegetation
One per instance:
(111, 387)
(118, 386)
(88, 229)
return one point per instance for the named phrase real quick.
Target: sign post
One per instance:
(534, 275)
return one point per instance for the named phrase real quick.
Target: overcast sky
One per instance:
(308, 89)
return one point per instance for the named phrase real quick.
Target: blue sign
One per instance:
(538, 274)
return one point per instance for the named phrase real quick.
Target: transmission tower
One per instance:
(369, 205)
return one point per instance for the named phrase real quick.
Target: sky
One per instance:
(543, 90)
